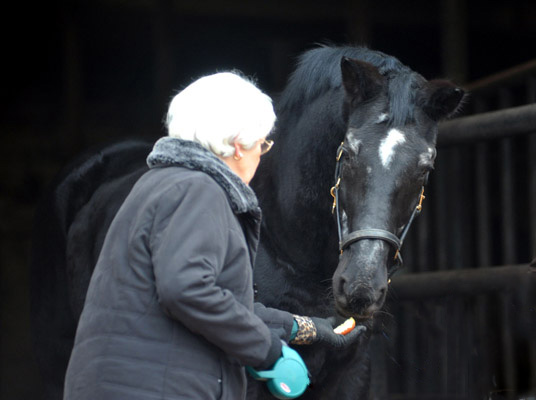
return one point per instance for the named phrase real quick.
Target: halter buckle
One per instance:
(339, 153)
(334, 195)
(421, 198)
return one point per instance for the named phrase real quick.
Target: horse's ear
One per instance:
(361, 79)
(440, 99)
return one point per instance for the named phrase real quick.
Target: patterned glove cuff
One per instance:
(306, 331)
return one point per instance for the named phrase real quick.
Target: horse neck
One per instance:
(295, 181)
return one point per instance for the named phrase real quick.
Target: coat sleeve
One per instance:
(279, 322)
(188, 246)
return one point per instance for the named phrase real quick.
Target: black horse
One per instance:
(347, 114)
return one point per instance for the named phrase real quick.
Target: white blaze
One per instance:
(383, 117)
(387, 146)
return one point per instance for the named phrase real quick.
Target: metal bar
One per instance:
(531, 97)
(454, 39)
(468, 339)
(444, 197)
(464, 282)
(410, 325)
(482, 203)
(508, 77)
(459, 241)
(507, 347)
(379, 378)
(441, 316)
(441, 209)
(507, 191)
(481, 339)
(486, 126)
(456, 180)
(422, 241)
(508, 226)
(482, 207)
(481, 357)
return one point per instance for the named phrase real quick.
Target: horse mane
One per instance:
(318, 71)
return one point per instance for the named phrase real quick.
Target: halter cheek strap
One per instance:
(370, 233)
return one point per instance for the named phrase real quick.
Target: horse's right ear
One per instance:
(361, 79)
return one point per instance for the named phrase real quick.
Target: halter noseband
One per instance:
(369, 233)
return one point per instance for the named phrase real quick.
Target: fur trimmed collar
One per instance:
(169, 151)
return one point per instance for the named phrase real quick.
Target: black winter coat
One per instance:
(169, 311)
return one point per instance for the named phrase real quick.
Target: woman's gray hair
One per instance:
(218, 110)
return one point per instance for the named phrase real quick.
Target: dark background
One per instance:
(79, 73)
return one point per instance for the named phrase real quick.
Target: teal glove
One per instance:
(288, 378)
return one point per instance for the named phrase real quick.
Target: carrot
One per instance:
(345, 327)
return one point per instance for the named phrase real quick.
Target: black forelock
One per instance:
(318, 71)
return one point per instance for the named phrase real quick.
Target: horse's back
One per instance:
(54, 314)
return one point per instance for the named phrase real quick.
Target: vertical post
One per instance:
(507, 191)
(358, 21)
(163, 64)
(483, 257)
(531, 98)
(409, 353)
(441, 200)
(441, 209)
(279, 71)
(379, 378)
(482, 205)
(454, 39)
(422, 241)
(508, 248)
(71, 140)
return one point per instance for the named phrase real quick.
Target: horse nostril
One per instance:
(342, 286)
(382, 292)
(340, 291)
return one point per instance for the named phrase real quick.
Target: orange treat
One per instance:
(345, 327)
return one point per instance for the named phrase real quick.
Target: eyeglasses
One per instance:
(266, 145)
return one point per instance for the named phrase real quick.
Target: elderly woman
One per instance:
(169, 313)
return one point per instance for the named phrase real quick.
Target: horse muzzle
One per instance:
(360, 282)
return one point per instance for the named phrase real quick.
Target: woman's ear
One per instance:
(237, 153)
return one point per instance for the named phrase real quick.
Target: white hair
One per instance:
(217, 110)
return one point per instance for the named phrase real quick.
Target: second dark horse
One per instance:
(384, 114)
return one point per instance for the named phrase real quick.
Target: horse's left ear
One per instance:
(361, 79)
(440, 99)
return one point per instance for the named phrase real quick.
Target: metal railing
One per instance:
(460, 319)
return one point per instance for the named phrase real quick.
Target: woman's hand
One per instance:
(320, 330)
(325, 333)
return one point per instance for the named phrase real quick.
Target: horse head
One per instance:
(382, 167)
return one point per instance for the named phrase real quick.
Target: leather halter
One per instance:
(370, 233)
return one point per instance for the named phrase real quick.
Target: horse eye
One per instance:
(351, 149)
(426, 174)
